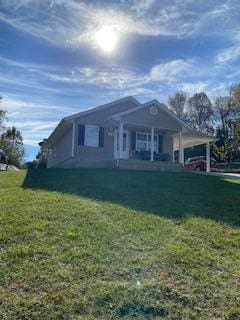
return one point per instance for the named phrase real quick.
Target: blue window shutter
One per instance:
(81, 134)
(101, 137)
(133, 140)
(160, 144)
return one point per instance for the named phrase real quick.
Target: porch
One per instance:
(154, 148)
(133, 142)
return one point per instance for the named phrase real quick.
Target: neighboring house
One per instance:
(121, 134)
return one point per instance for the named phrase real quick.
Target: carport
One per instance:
(192, 138)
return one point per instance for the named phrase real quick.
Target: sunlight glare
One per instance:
(106, 38)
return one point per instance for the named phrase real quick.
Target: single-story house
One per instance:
(124, 134)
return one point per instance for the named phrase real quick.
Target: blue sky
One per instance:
(53, 62)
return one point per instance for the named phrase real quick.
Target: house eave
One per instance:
(60, 129)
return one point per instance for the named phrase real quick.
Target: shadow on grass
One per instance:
(172, 195)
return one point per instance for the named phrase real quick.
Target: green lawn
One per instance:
(102, 244)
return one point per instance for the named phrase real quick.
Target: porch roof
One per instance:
(192, 138)
(112, 123)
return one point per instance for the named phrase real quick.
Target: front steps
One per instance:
(128, 164)
(135, 164)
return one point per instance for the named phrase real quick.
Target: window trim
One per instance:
(86, 136)
(147, 140)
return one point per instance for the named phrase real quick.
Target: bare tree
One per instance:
(236, 94)
(200, 112)
(227, 116)
(177, 103)
(223, 108)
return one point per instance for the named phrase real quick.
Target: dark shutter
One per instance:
(81, 134)
(160, 144)
(101, 137)
(133, 140)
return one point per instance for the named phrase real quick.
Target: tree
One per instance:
(223, 108)
(227, 115)
(177, 103)
(13, 153)
(13, 135)
(236, 94)
(200, 112)
(2, 116)
(11, 142)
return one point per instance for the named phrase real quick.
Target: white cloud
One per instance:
(171, 70)
(221, 89)
(20, 107)
(189, 75)
(47, 77)
(29, 75)
(232, 53)
(142, 7)
(118, 78)
(35, 120)
(27, 66)
(71, 22)
(122, 78)
(113, 78)
(192, 87)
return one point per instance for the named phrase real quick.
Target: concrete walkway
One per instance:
(235, 176)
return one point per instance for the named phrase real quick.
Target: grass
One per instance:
(98, 244)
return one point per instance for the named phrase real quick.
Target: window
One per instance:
(155, 143)
(143, 142)
(91, 136)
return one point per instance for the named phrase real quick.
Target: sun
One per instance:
(106, 38)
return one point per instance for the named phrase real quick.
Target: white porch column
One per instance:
(73, 137)
(208, 168)
(181, 149)
(120, 140)
(152, 142)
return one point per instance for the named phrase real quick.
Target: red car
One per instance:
(200, 163)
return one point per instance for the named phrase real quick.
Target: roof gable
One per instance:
(167, 115)
(131, 100)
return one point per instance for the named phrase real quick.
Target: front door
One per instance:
(125, 152)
